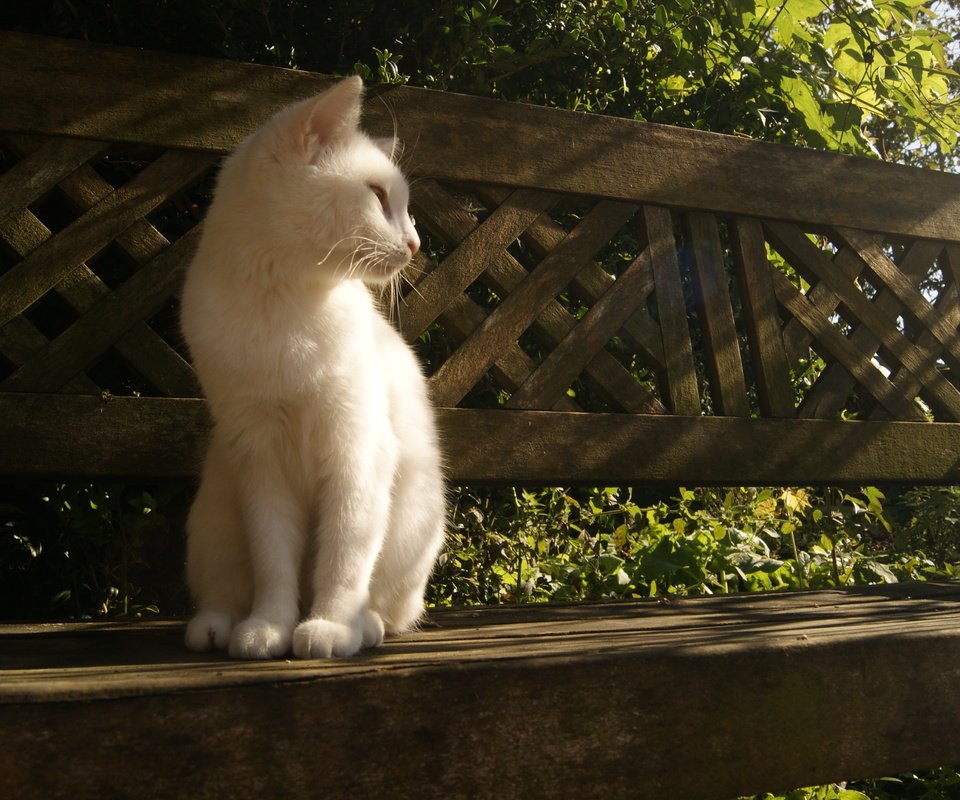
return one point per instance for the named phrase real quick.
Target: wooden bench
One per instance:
(668, 360)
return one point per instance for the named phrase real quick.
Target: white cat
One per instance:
(321, 507)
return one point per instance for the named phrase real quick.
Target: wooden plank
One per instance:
(640, 331)
(809, 260)
(192, 725)
(679, 374)
(35, 175)
(586, 339)
(503, 274)
(516, 312)
(45, 436)
(50, 263)
(722, 345)
(915, 306)
(835, 346)
(833, 387)
(468, 260)
(77, 348)
(57, 86)
(768, 356)
(149, 354)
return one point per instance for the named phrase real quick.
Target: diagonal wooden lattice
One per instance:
(57, 263)
(702, 306)
(522, 298)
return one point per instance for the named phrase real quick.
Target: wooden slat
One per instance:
(35, 175)
(516, 312)
(640, 331)
(199, 725)
(835, 346)
(915, 305)
(20, 339)
(147, 352)
(796, 338)
(948, 305)
(604, 374)
(807, 259)
(469, 259)
(512, 366)
(65, 87)
(74, 435)
(679, 373)
(768, 357)
(587, 338)
(503, 274)
(55, 259)
(833, 387)
(141, 296)
(722, 356)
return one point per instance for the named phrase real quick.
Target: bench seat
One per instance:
(678, 698)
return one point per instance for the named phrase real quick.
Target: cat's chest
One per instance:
(331, 341)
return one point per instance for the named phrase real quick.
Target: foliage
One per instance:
(936, 784)
(593, 544)
(83, 550)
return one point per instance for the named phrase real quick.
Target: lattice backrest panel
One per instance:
(93, 243)
(522, 298)
(546, 302)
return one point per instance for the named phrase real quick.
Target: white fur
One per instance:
(320, 510)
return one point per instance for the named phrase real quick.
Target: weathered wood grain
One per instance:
(139, 298)
(810, 262)
(680, 374)
(516, 313)
(833, 387)
(73, 435)
(50, 263)
(722, 346)
(586, 339)
(65, 87)
(615, 690)
(768, 356)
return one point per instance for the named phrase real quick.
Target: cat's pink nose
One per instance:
(413, 246)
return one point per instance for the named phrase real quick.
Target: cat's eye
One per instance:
(381, 195)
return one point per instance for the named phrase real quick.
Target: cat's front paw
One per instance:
(258, 638)
(209, 630)
(321, 638)
(371, 626)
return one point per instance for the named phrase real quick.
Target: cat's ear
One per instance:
(315, 123)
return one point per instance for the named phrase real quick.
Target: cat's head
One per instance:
(333, 197)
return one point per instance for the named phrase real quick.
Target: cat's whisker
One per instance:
(411, 284)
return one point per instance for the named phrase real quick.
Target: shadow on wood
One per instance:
(693, 698)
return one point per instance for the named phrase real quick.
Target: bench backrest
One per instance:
(597, 300)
